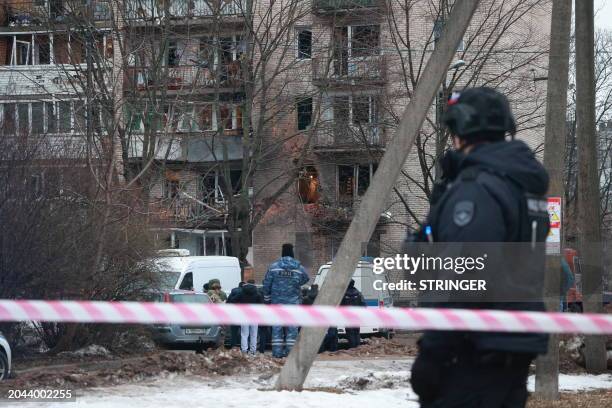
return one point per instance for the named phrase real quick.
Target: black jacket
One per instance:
(352, 297)
(494, 201)
(249, 294)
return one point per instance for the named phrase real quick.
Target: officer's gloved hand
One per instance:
(426, 376)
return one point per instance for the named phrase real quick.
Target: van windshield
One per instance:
(168, 280)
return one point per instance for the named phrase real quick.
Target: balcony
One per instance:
(343, 6)
(182, 9)
(185, 77)
(187, 210)
(40, 79)
(45, 12)
(345, 137)
(369, 70)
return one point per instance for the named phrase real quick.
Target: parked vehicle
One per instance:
(183, 272)
(364, 277)
(184, 336)
(5, 358)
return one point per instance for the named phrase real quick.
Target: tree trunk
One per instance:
(547, 367)
(589, 221)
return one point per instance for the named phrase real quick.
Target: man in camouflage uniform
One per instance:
(215, 293)
(282, 285)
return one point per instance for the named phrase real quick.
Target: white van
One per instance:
(364, 281)
(181, 271)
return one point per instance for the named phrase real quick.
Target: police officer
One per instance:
(482, 199)
(353, 297)
(282, 285)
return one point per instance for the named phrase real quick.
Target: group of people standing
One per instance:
(282, 285)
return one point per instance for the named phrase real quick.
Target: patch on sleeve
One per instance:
(463, 213)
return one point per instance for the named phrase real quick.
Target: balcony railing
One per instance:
(334, 6)
(363, 69)
(37, 13)
(154, 9)
(185, 76)
(349, 137)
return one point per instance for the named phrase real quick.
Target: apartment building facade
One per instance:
(335, 78)
(361, 61)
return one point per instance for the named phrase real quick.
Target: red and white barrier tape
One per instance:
(290, 315)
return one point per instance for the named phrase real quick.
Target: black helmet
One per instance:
(479, 113)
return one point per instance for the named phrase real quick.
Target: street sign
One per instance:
(553, 241)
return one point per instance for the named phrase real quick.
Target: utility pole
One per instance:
(547, 367)
(589, 219)
(295, 370)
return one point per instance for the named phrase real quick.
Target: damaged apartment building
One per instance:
(180, 88)
(343, 71)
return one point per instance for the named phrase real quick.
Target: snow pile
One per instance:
(575, 383)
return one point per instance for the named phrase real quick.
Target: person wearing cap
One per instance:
(481, 198)
(282, 285)
(215, 293)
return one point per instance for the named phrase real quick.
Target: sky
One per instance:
(603, 14)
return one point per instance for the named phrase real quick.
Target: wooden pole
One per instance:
(547, 367)
(589, 213)
(300, 359)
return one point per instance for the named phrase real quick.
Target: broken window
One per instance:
(225, 113)
(188, 122)
(205, 117)
(60, 49)
(304, 46)
(361, 110)
(235, 177)
(207, 53)
(209, 187)
(42, 50)
(23, 117)
(77, 49)
(9, 119)
(173, 54)
(308, 185)
(304, 112)
(353, 181)
(365, 175)
(50, 117)
(171, 189)
(365, 40)
(22, 53)
(355, 41)
(65, 114)
(80, 118)
(346, 184)
(38, 118)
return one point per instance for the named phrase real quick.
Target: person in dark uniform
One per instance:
(353, 297)
(482, 199)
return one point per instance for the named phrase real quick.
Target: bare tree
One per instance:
(502, 49)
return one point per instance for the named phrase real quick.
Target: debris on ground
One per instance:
(375, 381)
(114, 372)
(571, 354)
(92, 350)
(375, 347)
(591, 399)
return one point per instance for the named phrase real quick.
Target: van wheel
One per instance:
(4, 367)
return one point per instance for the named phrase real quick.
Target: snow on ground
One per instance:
(372, 382)
(578, 382)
